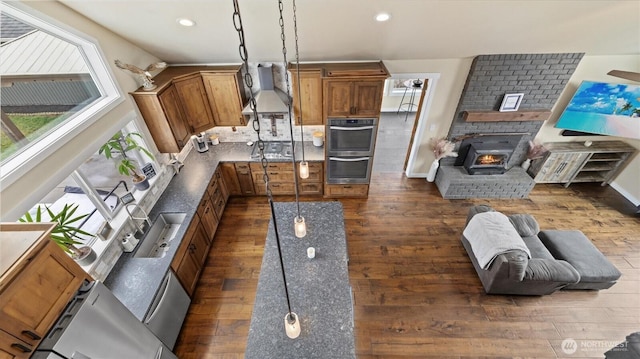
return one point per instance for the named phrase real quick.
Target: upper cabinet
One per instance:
(37, 280)
(191, 99)
(351, 98)
(225, 91)
(338, 90)
(195, 104)
(310, 92)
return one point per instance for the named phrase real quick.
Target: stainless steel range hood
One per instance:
(270, 100)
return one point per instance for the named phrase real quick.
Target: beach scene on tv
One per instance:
(605, 109)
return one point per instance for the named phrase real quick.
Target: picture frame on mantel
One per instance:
(511, 102)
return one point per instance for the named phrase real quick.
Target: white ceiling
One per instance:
(345, 29)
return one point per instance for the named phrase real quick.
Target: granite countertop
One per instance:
(135, 281)
(319, 289)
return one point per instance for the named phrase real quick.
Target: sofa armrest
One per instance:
(540, 269)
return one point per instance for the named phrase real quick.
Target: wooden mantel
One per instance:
(496, 116)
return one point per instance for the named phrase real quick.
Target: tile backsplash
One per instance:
(247, 133)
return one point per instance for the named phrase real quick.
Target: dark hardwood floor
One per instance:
(416, 292)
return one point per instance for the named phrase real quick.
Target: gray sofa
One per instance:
(550, 266)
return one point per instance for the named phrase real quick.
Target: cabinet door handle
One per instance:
(31, 334)
(21, 347)
(192, 247)
(206, 210)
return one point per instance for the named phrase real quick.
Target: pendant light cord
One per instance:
(295, 32)
(286, 78)
(248, 80)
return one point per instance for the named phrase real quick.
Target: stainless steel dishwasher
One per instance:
(168, 310)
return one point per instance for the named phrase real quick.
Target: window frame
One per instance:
(111, 94)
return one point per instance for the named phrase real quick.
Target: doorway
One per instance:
(402, 121)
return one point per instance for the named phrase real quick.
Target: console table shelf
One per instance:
(570, 162)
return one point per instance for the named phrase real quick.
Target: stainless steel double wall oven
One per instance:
(350, 145)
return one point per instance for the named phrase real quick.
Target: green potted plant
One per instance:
(65, 233)
(117, 147)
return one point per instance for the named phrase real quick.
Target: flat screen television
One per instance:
(604, 109)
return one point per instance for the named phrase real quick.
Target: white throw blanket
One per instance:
(491, 234)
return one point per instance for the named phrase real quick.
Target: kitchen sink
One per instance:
(158, 239)
(273, 150)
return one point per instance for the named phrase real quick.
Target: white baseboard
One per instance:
(625, 194)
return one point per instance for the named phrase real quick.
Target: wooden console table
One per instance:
(570, 162)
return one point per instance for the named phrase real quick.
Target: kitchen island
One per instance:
(135, 281)
(319, 287)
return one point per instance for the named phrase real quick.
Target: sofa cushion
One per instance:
(596, 272)
(551, 270)
(525, 224)
(536, 248)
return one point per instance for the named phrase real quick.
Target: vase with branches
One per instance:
(441, 148)
(535, 151)
(117, 147)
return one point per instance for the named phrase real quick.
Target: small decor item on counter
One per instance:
(143, 75)
(127, 245)
(318, 138)
(311, 252)
(441, 148)
(536, 151)
(214, 139)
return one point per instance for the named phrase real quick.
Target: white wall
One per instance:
(453, 74)
(595, 68)
(21, 195)
(449, 87)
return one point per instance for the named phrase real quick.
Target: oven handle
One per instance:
(351, 128)
(340, 159)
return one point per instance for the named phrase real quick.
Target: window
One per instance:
(55, 83)
(96, 188)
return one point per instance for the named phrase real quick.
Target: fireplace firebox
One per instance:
(487, 158)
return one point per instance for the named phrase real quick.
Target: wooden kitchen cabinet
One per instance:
(228, 172)
(243, 173)
(353, 98)
(281, 179)
(165, 118)
(195, 103)
(310, 93)
(217, 193)
(312, 185)
(570, 162)
(225, 91)
(191, 255)
(184, 103)
(36, 285)
(346, 190)
(208, 216)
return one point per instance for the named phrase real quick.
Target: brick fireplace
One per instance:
(542, 78)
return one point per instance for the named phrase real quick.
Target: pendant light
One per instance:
(299, 224)
(304, 166)
(291, 321)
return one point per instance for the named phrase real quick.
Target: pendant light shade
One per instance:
(300, 226)
(292, 325)
(304, 169)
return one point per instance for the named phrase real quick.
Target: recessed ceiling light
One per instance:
(185, 22)
(383, 16)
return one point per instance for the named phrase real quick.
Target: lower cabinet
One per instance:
(312, 186)
(346, 190)
(191, 255)
(243, 173)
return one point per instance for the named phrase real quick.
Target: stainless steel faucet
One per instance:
(138, 222)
